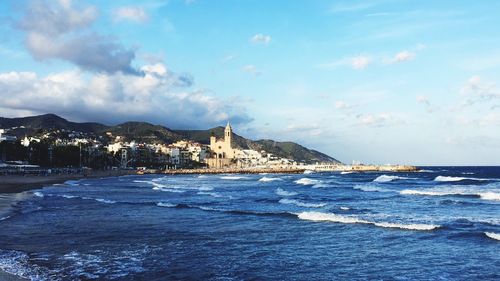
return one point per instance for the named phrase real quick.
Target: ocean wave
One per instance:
(386, 178)
(266, 179)
(17, 263)
(490, 196)
(232, 178)
(320, 185)
(486, 195)
(68, 196)
(302, 204)
(72, 182)
(164, 189)
(4, 218)
(426, 171)
(167, 205)
(105, 201)
(346, 172)
(345, 208)
(307, 181)
(282, 192)
(330, 217)
(452, 179)
(308, 172)
(493, 235)
(38, 194)
(214, 194)
(371, 188)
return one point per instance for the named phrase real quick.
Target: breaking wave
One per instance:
(302, 204)
(38, 194)
(371, 188)
(232, 178)
(493, 235)
(487, 195)
(307, 181)
(346, 172)
(17, 263)
(282, 192)
(386, 178)
(168, 205)
(345, 208)
(266, 179)
(330, 217)
(452, 179)
(308, 172)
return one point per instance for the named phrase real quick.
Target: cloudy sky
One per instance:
(378, 81)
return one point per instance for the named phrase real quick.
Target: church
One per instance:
(223, 153)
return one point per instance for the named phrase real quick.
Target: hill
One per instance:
(149, 133)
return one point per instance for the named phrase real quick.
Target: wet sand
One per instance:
(19, 183)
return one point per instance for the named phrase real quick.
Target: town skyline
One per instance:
(374, 81)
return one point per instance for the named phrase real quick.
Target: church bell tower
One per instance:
(228, 134)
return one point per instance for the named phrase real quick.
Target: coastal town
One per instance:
(52, 151)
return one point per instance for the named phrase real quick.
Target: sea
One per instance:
(441, 223)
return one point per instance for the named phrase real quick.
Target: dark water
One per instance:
(439, 224)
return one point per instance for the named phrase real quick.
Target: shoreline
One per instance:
(20, 183)
(5, 276)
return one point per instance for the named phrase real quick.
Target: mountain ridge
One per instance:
(150, 133)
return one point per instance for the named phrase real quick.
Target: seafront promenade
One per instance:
(288, 170)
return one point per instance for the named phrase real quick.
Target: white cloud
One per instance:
(261, 39)
(252, 69)
(159, 96)
(476, 90)
(360, 62)
(130, 13)
(378, 120)
(402, 57)
(57, 30)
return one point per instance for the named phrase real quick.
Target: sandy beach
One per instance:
(20, 183)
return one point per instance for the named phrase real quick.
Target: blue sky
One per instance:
(377, 81)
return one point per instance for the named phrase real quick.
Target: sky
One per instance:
(376, 81)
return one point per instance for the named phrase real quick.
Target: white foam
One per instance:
(168, 189)
(202, 176)
(490, 196)
(370, 188)
(307, 181)
(266, 179)
(17, 263)
(345, 173)
(38, 194)
(451, 179)
(105, 201)
(168, 205)
(493, 235)
(282, 192)
(407, 226)
(308, 172)
(232, 178)
(318, 216)
(214, 194)
(426, 171)
(320, 185)
(386, 178)
(487, 195)
(345, 208)
(69, 196)
(302, 204)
